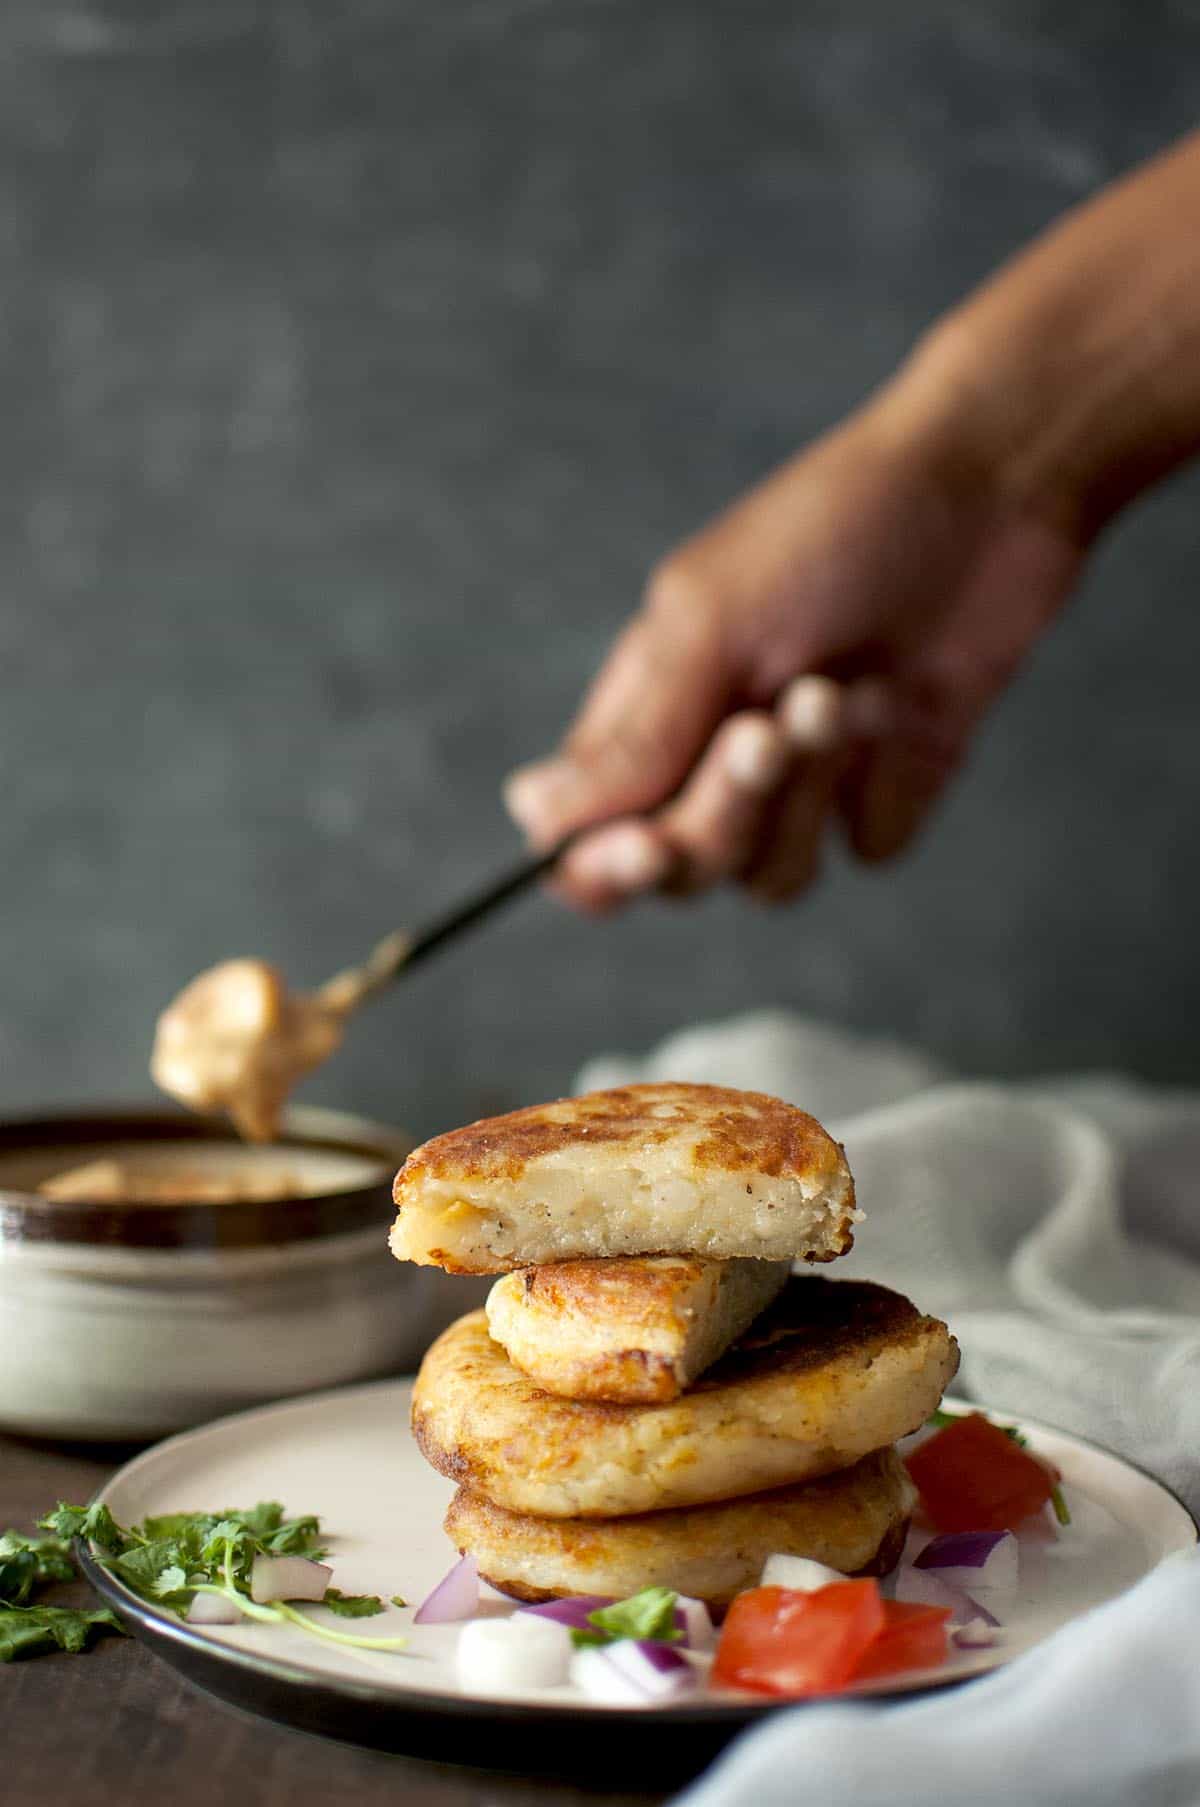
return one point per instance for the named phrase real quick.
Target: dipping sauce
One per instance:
(115, 1181)
(157, 1270)
(237, 1040)
(205, 1170)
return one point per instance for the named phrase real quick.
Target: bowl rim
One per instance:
(28, 1217)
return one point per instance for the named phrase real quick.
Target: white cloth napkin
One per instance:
(1057, 1225)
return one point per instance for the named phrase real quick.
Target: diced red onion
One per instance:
(456, 1596)
(632, 1673)
(573, 1611)
(976, 1634)
(695, 1622)
(960, 1550)
(288, 1578)
(985, 1564)
(212, 1609)
(799, 1573)
(922, 1587)
(636, 1655)
(510, 1655)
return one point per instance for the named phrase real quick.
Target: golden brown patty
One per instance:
(854, 1521)
(640, 1170)
(634, 1331)
(833, 1370)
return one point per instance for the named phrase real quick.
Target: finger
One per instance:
(890, 801)
(715, 823)
(610, 867)
(823, 721)
(812, 712)
(817, 717)
(660, 694)
(790, 857)
(894, 782)
(870, 711)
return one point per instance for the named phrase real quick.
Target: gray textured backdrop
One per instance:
(358, 360)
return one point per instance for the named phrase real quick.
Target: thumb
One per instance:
(659, 695)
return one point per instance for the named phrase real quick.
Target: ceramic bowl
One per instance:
(122, 1320)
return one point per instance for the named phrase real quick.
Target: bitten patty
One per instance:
(639, 1170)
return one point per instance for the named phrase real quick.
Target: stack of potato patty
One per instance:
(651, 1397)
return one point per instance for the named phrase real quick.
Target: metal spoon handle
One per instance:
(464, 915)
(399, 951)
(810, 712)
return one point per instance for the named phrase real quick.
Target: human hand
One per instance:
(914, 554)
(883, 557)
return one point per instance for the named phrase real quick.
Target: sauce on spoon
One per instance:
(236, 1039)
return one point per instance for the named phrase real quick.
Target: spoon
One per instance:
(237, 1039)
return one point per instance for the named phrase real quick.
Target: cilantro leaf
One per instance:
(217, 1533)
(29, 1562)
(26, 1630)
(144, 1567)
(648, 1614)
(96, 1523)
(18, 1573)
(176, 1524)
(260, 1521)
(44, 1558)
(352, 1606)
(298, 1537)
(171, 1580)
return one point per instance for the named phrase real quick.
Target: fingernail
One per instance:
(535, 794)
(755, 755)
(810, 714)
(627, 858)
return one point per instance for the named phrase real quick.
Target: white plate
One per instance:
(348, 1456)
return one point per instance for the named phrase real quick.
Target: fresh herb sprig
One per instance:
(29, 1625)
(167, 1560)
(33, 1629)
(29, 1562)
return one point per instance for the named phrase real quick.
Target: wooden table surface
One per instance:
(116, 1727)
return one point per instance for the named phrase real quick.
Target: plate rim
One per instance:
(157, 1625)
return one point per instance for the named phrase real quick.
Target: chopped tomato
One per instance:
(777, 1640)
(913, 1637)
(972, 1477)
